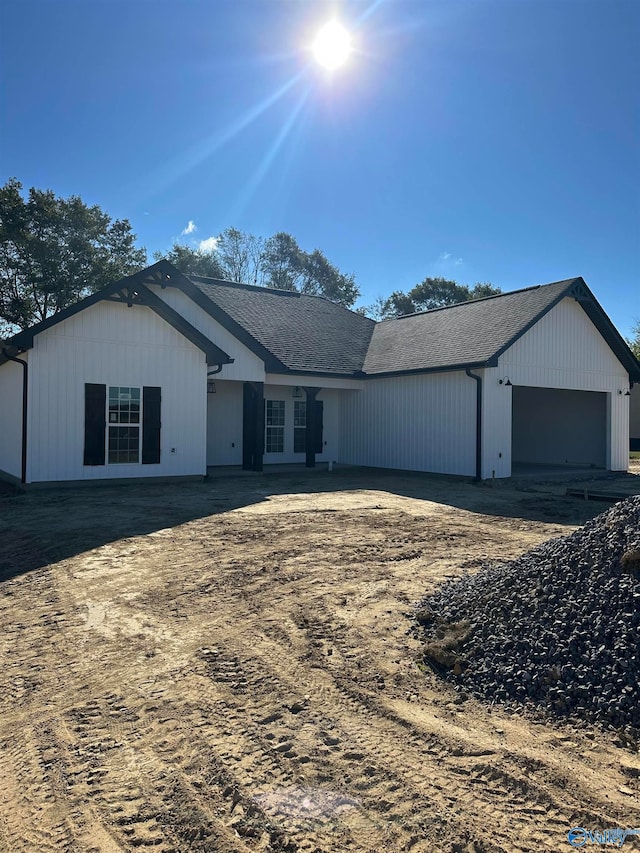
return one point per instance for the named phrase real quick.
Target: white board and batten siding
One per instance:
(331, 400)
(634, 414)
(113, 345)
(224, 423)
(224, 426)
(417, 423)
(11, 378)
(246, 367)
(563, 350)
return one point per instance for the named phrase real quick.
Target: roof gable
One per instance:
(477, 333)
(301, 333)
(298, 333)
(130, 291)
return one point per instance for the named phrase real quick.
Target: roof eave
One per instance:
(184, 283)
(161, 273)
(564, 293)
(448, 368)
(579, 290)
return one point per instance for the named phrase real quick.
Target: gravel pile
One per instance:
(560, 626)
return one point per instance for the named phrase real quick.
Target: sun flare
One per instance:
(332, 45)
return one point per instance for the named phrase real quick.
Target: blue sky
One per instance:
(482, 140)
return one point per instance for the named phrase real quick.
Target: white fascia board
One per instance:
(293, 379)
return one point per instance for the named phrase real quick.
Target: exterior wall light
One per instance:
(297, 392)
(211, 386)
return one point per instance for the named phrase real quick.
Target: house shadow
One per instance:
(42, 527)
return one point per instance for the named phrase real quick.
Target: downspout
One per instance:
(217, 368)
(478, 423)
(25, 389)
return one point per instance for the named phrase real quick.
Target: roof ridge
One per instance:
(279, 291)
(205, 279)
(480, 299)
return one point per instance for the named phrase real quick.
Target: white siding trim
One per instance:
(563, 350)
(332, 400)
(293, 380)
(11, 379)
(418, 423)
(247, 366)
(112, 344)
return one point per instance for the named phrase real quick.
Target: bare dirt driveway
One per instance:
(226, 666)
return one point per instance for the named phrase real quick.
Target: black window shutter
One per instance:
(150, 425)
(95, 401)
(319, 413)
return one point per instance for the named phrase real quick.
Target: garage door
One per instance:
(554, 427)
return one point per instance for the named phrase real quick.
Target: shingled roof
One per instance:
(305, 333)
(296, 332)
(310, 334)
(468, 334)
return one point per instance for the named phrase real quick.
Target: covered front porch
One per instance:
(255, 424)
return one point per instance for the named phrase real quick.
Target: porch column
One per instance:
(313, 426)
(252, 426)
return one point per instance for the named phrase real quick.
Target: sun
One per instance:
(332, 45)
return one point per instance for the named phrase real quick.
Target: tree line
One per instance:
(55, 251)
(276, 262)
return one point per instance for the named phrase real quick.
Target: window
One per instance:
(119, 423)
(124, 425)
(299, 426)
(275, 426)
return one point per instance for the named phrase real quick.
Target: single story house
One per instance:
(164, 375)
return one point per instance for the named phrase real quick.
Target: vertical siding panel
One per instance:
(115, 345)
(423, 423)
(11, 378)
(331, 424)
(563, 350)
(496, 424)
(246, 367)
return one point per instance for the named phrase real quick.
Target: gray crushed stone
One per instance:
(558, 628)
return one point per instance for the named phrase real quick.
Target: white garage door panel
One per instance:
(552, 426)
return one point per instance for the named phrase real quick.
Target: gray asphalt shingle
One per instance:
(306, 333)
(309, 333)
(468, 333)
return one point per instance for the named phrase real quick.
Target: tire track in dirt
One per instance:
(242, 682)
(231, 673)
(385, 761)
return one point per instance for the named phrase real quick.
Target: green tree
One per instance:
(240, 255)
(277, 262)
(430, 293)
(286, 266)
(194, 261)
(322, 278)
(282, 262)
(634, 342)
(54, 251)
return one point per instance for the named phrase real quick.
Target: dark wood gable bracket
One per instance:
(580, 292)
(132, 293)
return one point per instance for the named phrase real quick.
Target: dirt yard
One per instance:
(227, 666)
